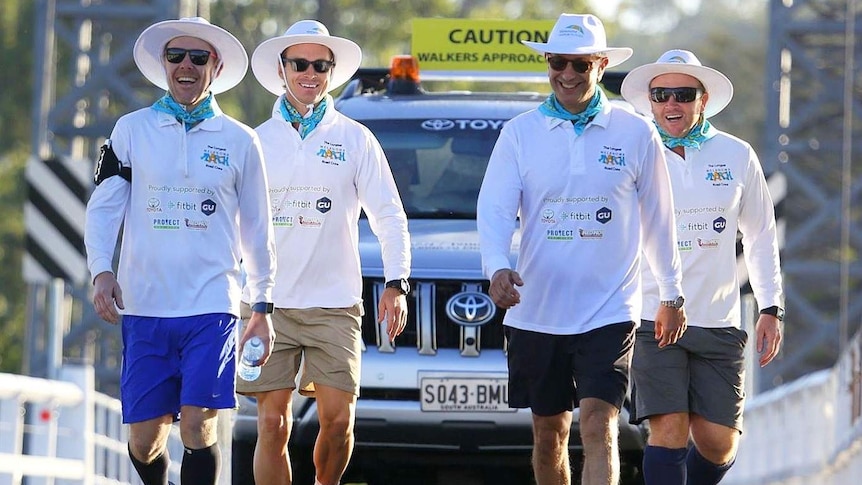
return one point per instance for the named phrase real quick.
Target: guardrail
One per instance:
(63, 432)
(808, 431)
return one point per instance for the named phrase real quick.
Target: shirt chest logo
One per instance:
(215, 157)
(332, 154)
(612, 159)
(719, 175)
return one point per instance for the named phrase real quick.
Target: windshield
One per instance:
(438, 164)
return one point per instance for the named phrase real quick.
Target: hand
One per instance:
(669, 325)
(107, 297)
(768, 334)
(502, 289)
(393, 305)
(259, 325)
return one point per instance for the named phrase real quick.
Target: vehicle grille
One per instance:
(429, 328)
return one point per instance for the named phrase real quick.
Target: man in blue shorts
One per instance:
(196, 206)
(694, 388)
(587, 182)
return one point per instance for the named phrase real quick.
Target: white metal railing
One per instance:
(63, 432)
(805, 432)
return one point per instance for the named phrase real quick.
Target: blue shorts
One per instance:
(173, 362)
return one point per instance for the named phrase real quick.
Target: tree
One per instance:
(16, 26)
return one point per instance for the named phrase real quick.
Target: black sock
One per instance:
(155, 472)
(664, 466)
(200, 467)
(702, 471)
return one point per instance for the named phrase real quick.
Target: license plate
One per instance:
(465, 394)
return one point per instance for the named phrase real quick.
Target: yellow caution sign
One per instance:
(479, 45)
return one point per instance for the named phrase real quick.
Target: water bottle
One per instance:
(252, 353)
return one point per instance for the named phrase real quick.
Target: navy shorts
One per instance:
(550, 374)
(173, 362)
(703, 373)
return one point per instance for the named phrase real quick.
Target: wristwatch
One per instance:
(401, 285)
(677, 303)
(262, 307)
(775, 311)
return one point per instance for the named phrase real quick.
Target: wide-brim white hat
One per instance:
(636, 85)
(580, 35)
(150, 47)
(266, 58)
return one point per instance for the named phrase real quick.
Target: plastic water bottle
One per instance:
(249, 362)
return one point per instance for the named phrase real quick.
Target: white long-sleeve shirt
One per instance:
(318, 188)
(716, 190)
(583, 202)
(197, 206)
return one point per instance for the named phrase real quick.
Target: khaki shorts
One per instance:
(321, 345)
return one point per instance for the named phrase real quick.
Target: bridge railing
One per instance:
(807, 431)
(63, 432)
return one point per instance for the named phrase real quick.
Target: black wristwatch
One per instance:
(262, 307)
(401, 285)
(676, 304)
(775, 311)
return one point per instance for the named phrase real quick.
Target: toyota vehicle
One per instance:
(433, 405)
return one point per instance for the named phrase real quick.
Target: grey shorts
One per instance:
(323, 345)
(703, 373)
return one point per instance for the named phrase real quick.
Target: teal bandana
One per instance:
(291, 115)
(551, 107)
(206, 109)
(698, 134)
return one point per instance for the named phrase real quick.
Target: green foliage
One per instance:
(13, 293)
(16, 26)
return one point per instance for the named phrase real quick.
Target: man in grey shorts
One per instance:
(695, 386)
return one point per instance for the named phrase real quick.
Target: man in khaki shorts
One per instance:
(324, 169)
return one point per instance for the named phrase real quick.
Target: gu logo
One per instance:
(208, 207)
(323, 205)
(604, 215)
(719, 225)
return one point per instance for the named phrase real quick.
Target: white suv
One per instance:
(433, 406)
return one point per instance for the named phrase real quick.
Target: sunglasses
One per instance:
(300, 65)
(581, 66)
(199, 57)
(681, 95)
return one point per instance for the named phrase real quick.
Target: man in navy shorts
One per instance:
(587, 182)
(187, 184)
